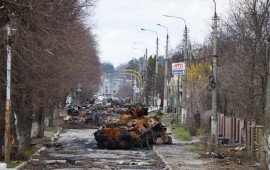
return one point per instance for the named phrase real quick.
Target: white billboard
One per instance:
(178, 68)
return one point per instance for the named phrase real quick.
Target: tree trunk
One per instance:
(40, 120)
(250, 107)
(2, 130)
(50, 112)
(2, 121)
(23, 130)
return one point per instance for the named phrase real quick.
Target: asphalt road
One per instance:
(76, 149)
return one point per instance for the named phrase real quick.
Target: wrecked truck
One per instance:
(135, 128)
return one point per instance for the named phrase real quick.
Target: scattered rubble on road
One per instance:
(79, 151)
(92, 114)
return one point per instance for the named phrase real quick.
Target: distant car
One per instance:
(117, 100)
(102, 98)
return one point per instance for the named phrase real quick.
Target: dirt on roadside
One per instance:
(192, 155)
(230, 158)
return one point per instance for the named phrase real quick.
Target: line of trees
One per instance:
(242, 62)
(53, 51)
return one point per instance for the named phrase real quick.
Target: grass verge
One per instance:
(182, 133)
(21, 156)
(32, 150)
(37, 140)
(13, 164)
(178, 132)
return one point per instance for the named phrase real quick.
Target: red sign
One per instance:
(178, 68)
(180, 65)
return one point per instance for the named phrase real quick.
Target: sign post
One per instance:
(179, 69)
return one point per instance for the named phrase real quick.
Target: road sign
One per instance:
(178, 68)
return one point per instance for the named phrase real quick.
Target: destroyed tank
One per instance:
(135, 128)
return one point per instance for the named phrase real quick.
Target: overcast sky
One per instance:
(118, 25)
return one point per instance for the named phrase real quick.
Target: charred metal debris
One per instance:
(134, 128)
(121, 125)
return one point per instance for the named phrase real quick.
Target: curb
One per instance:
(23, 164)
(163, 159)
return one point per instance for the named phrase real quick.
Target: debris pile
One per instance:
(80, 116)
(134, 128)
(232, 156)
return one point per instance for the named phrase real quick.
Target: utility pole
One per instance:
(135, 95)
(165, 103)
(184, 94)
(178, 110)
(183, 110)
(145, 86)
(165, 91)
(134, 85)
(156, 70)
(8, 101)
(156, 76)
(214, 90)
(145, 93)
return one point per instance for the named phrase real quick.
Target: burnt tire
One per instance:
(113, 145)
(100, 146)
(101, 137)
(125, 137)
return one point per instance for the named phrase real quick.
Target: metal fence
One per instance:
(233, 129)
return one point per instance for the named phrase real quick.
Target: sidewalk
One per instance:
(179, 156)
(48, 134)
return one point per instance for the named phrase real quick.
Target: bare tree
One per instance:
(52, 53)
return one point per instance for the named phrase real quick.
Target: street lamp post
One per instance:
(165, 100)
(145, 92)
(156, 70)
(11, 32)
(184, 93)
(214, 90)
(8, 101)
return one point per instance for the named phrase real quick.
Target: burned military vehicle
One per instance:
(135, 128)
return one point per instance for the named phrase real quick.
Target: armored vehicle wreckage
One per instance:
(135, 128)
